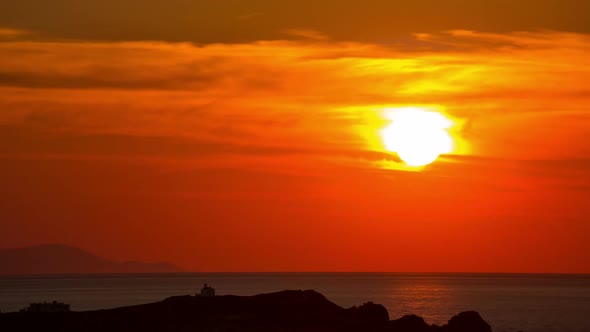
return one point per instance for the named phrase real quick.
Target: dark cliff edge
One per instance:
(282, 311)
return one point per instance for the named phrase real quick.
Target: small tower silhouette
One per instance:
(207, 290)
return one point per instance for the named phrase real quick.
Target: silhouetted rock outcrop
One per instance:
(409, 323)
(304, 311)
(469, 321)
(370, 312)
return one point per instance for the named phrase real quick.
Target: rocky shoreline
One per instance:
(283, 311)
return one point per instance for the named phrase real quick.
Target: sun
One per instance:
(419, 136)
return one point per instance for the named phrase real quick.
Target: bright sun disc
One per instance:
(418, 136)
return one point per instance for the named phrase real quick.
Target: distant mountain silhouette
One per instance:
(62, 259)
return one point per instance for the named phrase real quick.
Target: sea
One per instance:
(508, 302)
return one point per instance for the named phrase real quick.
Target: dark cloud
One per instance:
(539, 175)
(218, 21)
(20, 140)
(184, 76)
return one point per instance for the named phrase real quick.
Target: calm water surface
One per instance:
(509, 302)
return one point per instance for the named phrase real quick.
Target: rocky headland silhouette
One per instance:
(304, 311)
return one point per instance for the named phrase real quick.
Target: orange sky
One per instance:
(240, 138)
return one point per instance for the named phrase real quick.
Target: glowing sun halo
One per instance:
(417, 135)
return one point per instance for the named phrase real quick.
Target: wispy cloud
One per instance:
(12, 33)
(249, 16)
(306, 34)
